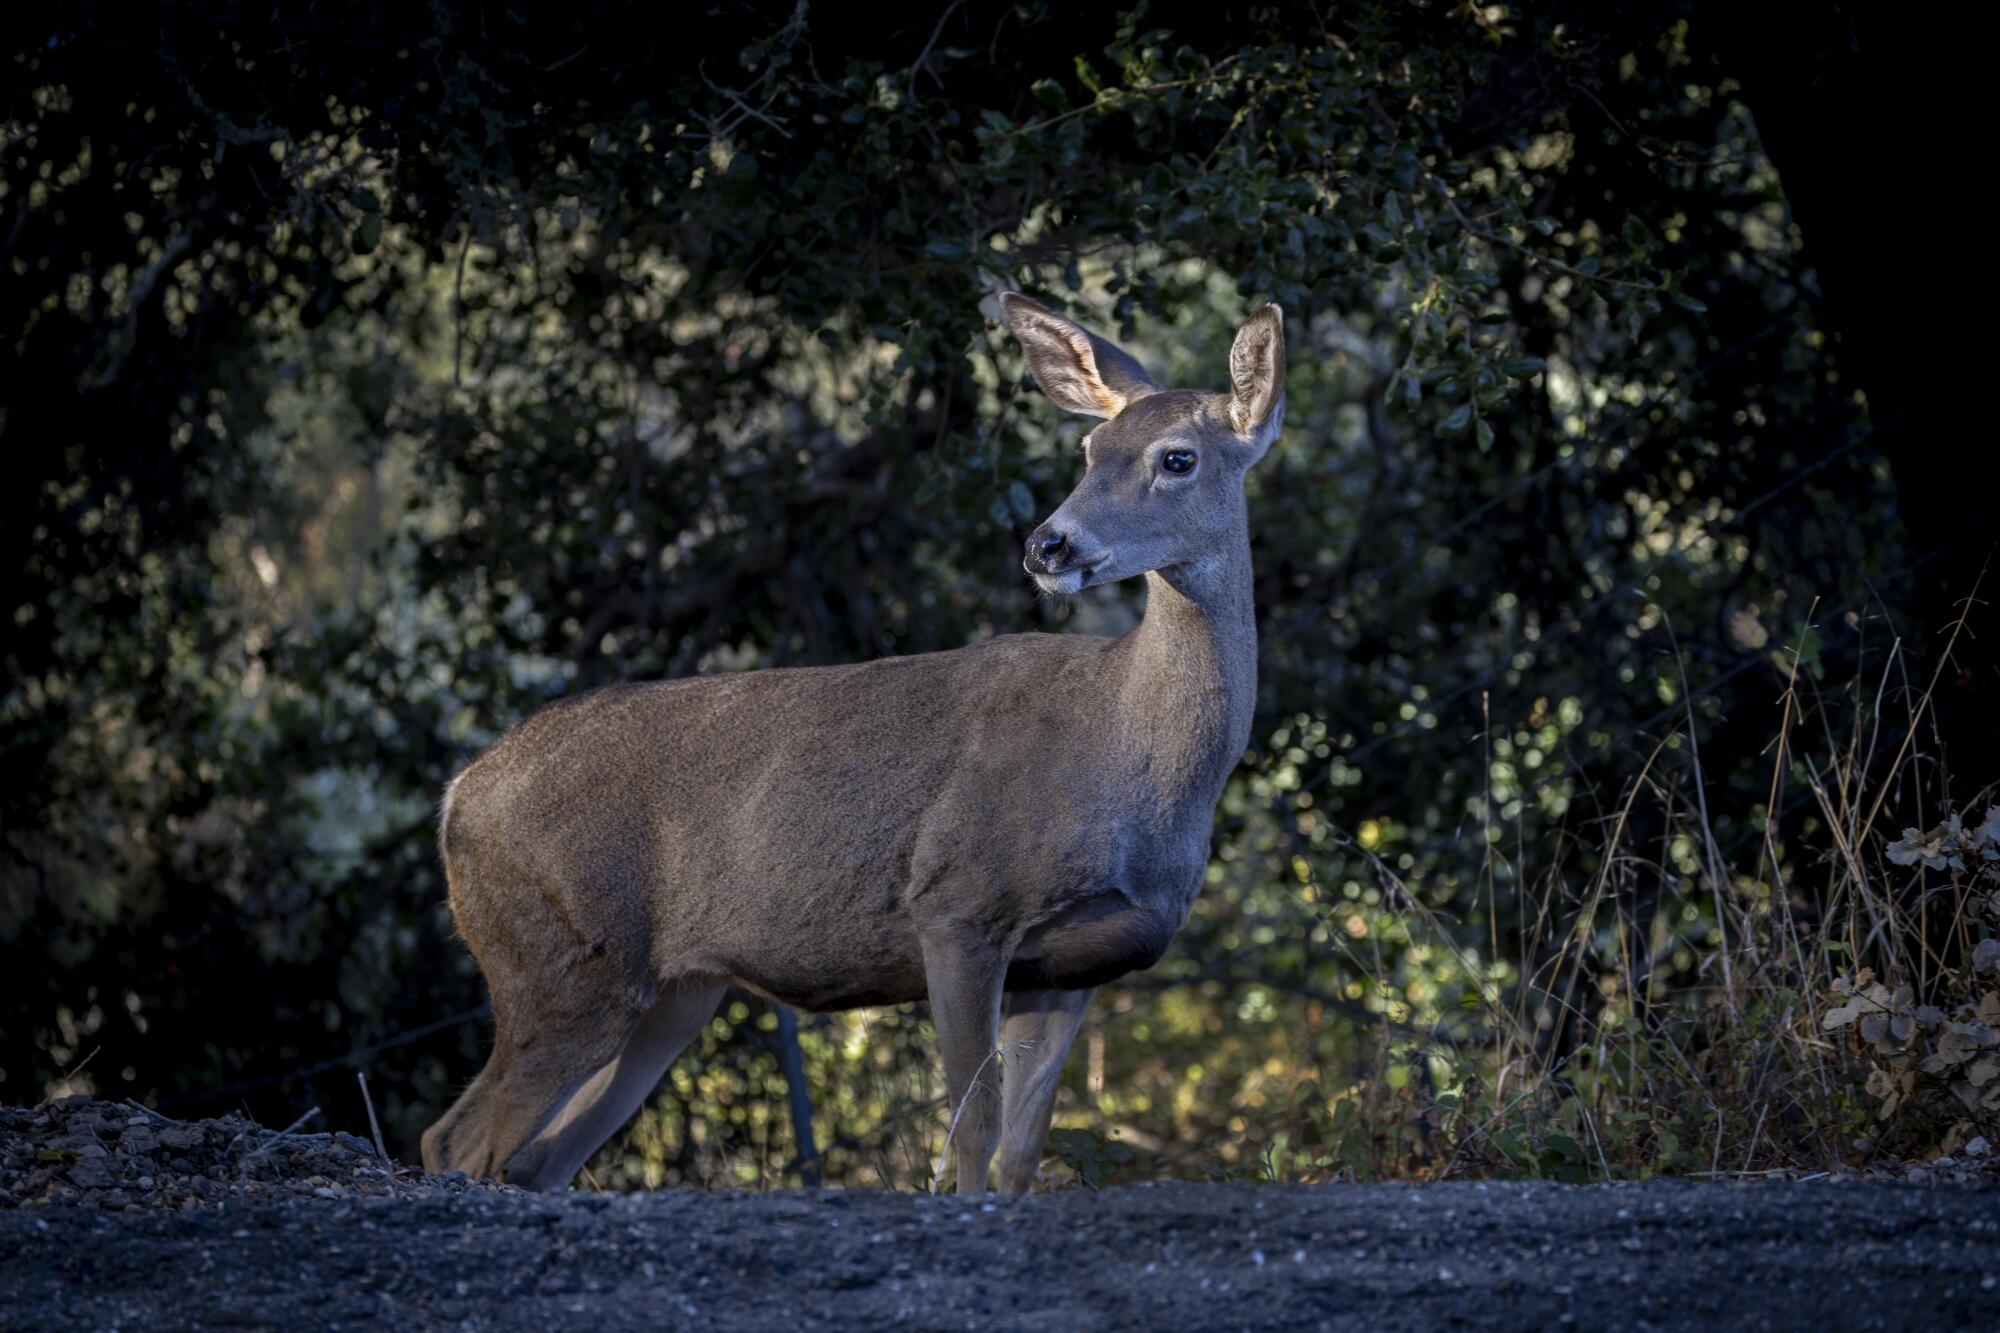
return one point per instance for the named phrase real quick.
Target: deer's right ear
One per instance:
(1080, 371)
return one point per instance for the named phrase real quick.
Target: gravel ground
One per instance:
(310, 1232)
(120, 1157)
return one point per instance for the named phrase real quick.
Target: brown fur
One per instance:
(997, 829)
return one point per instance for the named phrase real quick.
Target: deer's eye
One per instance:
(1180, 462)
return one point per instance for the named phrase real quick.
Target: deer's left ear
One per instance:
(1080, 371)
(1257, 378)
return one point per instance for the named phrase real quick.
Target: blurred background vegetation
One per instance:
(376, 373)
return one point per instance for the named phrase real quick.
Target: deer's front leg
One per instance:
(965, 983)
(1035, 1037)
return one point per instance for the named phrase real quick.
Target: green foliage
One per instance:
(382, 373)
(1093, 1157)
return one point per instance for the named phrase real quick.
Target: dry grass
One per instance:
(1839, 1006)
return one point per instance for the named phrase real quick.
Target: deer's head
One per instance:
(1163, 476)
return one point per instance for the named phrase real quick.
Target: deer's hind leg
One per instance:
(582, 1027)
(542, 1053)
(560, 1081)
(607, 1099)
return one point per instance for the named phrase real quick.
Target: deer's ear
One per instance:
(1257, 378)
(1080, 371)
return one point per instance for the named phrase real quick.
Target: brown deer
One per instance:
(999, 828)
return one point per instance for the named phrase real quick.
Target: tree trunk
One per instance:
(797, 1097)
(1863, 112)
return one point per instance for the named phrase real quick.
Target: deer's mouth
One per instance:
(1065, 584)
(1069, 582)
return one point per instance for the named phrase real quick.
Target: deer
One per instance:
(998, 829)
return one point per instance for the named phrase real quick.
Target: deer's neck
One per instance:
(1189, 686)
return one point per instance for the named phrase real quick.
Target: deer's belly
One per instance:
(833, 991)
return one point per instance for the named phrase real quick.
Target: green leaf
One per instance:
(1051, 93)
(1807, 646)
(1524, 367)
(1688, 303)
(1021, 500)
(367, 235)
(1455, 424)
(1483, 431)
(1091, 1157)
(364, 199)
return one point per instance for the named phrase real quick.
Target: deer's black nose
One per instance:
(1049, 547)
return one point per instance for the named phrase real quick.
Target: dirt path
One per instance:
(1662, 1255)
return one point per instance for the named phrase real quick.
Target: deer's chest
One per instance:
(1149, 863)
